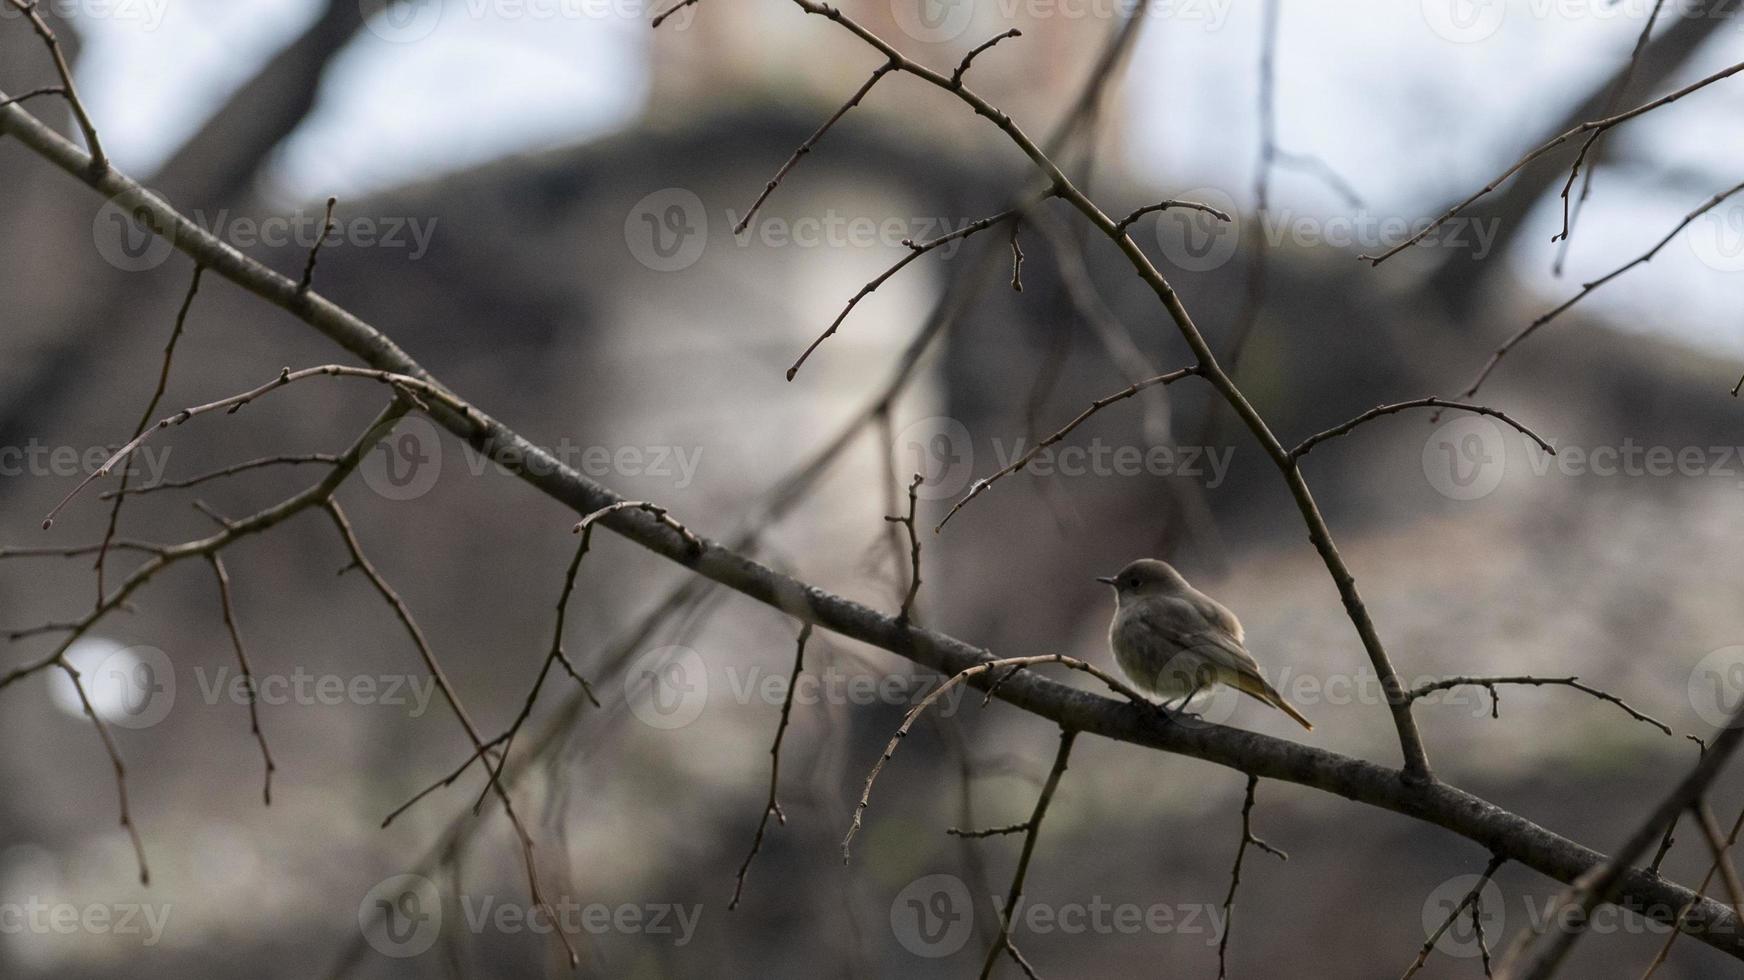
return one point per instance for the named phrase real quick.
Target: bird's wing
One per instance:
(1216, 613)
(1185, 623)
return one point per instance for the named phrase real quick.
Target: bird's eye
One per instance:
(1132, 583)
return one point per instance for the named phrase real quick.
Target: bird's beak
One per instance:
(1105, 579)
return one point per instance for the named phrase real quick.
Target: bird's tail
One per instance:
(1257, 688)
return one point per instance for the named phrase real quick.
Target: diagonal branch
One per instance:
(810, 142)
(163, 380)
(1032, 830)
(772, 808)
(980, 486)
(229, 607)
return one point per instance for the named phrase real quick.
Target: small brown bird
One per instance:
(1174, 641)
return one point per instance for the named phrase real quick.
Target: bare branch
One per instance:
(114, 762)
(969, 673)
(1016, 828)
(915, 251)
(99, 163)
(913, 550)
(675, 8)
(1032, 830)
(1490, 683)
(1595, 127)
(1247, 837)
(1121, 225)
(428, 657)
(404, 385)
(1611, 104)
(773, 806)
(1536, 956)
(963, 66)
(1473, 901)
(980, 486)
(163, 380)
(810, 142)
(224, 600)
(1717, 847)
(283, 459)
(315, 249)
(1587, 288)
(1437, 403)
(1713, 868)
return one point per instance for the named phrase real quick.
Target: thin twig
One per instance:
(230, 626)
(428, 657)
(1594, 127)
(1436, 403)
(675, 8)
(308, 279)
(403, 385)
(163, 380)
(963, 66)
(555, 655)
(980, 486)
(773, 806)
(1611, 103)
(1717, 847)
(1118, 686)
(99, 162)
(1032, 830)
(1490, 683)
(915, 251)
(1589, 287)
(33, 93)
(810, 142)
(1121, 225)
(585, 525)
(1247, 837)
(283, 459)
(1472, 899)
(913, 550)
(115, 762)
(1678, 923)
(1016, 828)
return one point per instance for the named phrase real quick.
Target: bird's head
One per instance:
(1145, 577)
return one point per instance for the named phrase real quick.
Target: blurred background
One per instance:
(537, 200)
